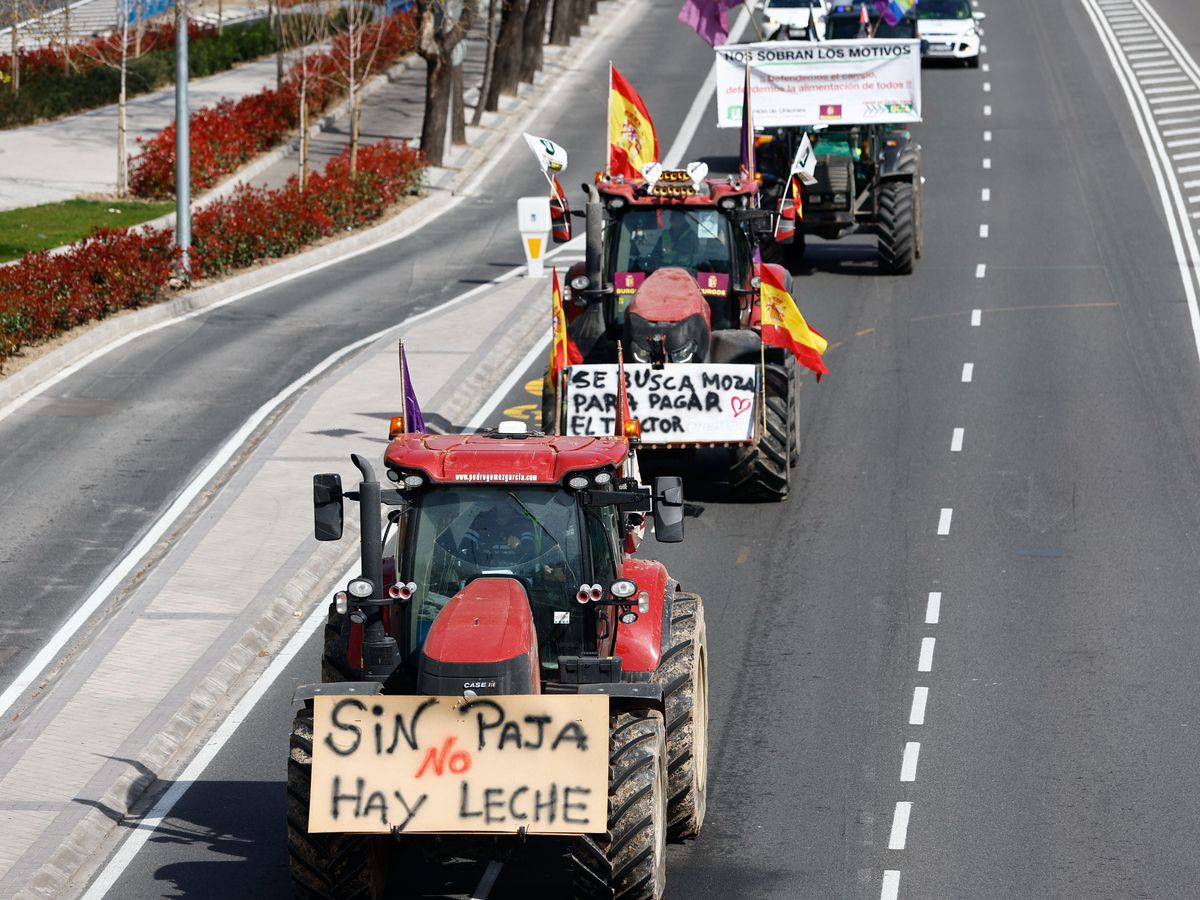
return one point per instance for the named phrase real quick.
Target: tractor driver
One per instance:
(679, 244)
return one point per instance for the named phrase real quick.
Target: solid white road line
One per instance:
(925, 660)
(908, 766)
(933, 608)
(968, 372)
(916, 715)
(899, 835)
(944, 518)
(976, 317)
(891, 885)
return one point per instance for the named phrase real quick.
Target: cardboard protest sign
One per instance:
(863, 82)
(677, 404)
(469, 765)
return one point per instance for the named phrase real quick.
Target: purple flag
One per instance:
(708, 18)
(414, 422)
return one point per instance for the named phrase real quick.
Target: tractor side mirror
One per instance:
(327, 506)
(560, 215)
(668, 509)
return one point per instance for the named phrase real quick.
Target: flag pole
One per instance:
(403, 388)
(753, 21)
(762, 363)
(608, 125)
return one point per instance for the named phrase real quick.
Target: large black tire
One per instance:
(897, 228)
(324, 866)
(794, 411)
(629, 861)
(333, 656)
(683, 674)
(762, 471)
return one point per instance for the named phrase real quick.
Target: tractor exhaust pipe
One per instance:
(594, 237)
(381, 656)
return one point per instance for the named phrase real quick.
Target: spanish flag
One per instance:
(783, 326)
(563, 351)
(631, 139)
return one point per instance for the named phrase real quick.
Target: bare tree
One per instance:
(365, 32)
(533, 39)
(299, 32)
(443, 24)
(506, 67)
(14, 78)
(493, 23)
(566, 13)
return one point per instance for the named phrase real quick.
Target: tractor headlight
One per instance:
(579, 283)
(361, 588)
(623, 588)
(640, 353)
(683, 353)
(577, 482)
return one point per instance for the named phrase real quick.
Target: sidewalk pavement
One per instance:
(74, 155)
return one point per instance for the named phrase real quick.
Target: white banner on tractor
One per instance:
(862, 82)
(688, 403)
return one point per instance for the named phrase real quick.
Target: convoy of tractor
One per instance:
(506, 668)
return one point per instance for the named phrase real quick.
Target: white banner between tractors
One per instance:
(677, 404)
(448, 764)
(862, 82)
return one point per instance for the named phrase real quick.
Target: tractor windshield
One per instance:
(648, 239)
(530, 533)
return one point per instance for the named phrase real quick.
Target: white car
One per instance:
(789, 18)
(949, 29)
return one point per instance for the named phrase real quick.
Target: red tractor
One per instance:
(503, 668)
(672, 274)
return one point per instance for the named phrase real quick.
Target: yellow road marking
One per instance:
(530, 412)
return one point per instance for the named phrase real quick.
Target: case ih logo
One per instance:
(831, 111)
(493, 476)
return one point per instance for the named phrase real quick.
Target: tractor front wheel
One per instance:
(629, 861)
(683, 674)
(324, 866)
(897, 228)
(762, 471)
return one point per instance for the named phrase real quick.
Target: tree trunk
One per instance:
(303, 120)
(579, 15)
(122, 158)
(437, 109)
(489, 60)
(278, 46)
(67, 39)
(16, 59)
(458, 121)
(534, 37)
(506, 74)
(560, 23)
(220, 18)
(355, 118)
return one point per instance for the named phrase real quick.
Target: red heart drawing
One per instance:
(740, 405)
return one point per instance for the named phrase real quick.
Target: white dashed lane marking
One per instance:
(985, 195)
(983, 231)
(908, 766)
(899, 836)
(916, 715)
(925, 660)
(933, 608)
(944, 518)
(891, 885)
(976, 318)
(981, 270)
(956, 441)
(968, 372)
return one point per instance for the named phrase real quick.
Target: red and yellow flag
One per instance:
(631, 139)
(783, 326)
(563, 351)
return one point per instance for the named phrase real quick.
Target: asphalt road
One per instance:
(1057, 743)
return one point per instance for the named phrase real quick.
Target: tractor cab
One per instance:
(528, 536)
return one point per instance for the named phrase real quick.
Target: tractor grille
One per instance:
(834, 190)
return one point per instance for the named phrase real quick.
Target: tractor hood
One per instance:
(514, 460)
(669, 320)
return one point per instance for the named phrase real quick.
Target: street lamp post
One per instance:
(183, 198)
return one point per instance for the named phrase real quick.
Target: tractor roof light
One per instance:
(602, 478)
(413, 481)
(362, 588)
(396, 427)
(577, 482)
(633, 429)
(394, 475)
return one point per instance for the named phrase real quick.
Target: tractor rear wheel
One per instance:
(897, 228)
(762, 471)
(629, 861)
(324, 866)
(794, 410)
(333, 657)
(683, 674)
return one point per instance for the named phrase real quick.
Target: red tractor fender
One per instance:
(640, 645)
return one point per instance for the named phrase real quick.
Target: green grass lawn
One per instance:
(54, 224)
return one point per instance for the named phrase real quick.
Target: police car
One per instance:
(949, 29)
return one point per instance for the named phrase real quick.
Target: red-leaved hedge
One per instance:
(226, 136)
(46, 294)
